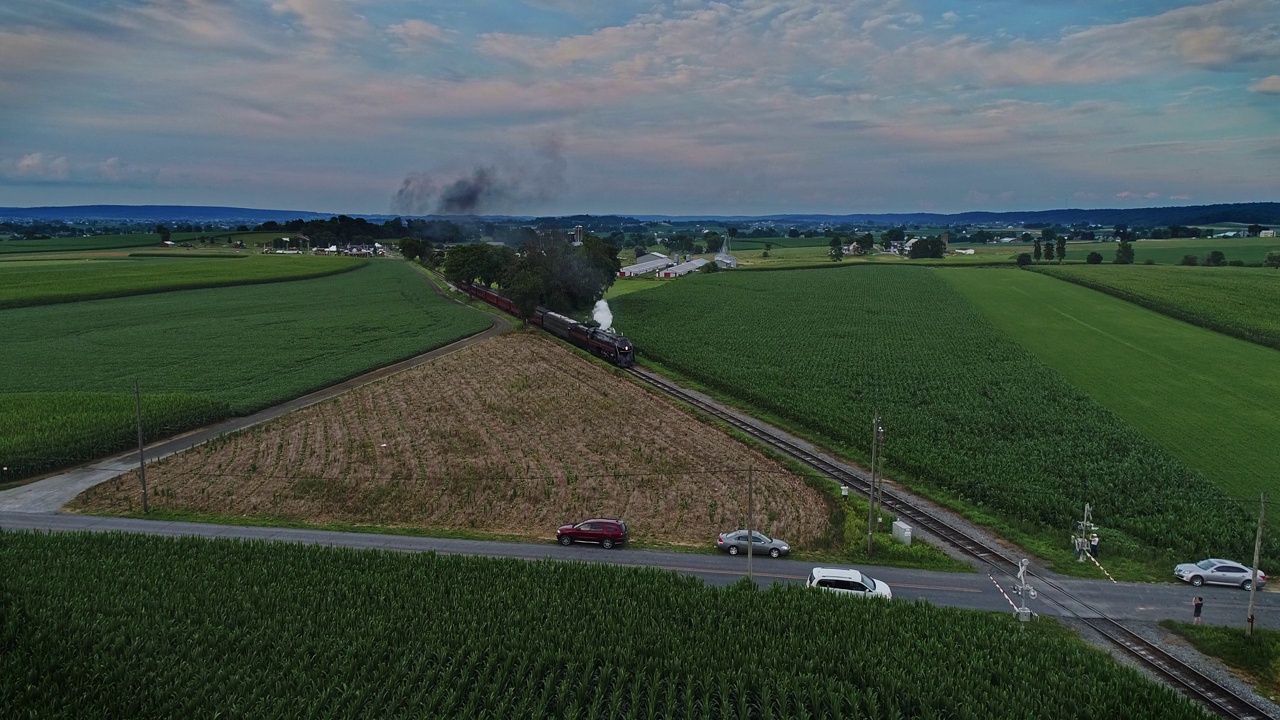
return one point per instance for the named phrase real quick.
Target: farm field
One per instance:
(1241, 302)
(97, 242)
(1211, 400)
(970, 416)
(159, 627)
(1170, 252)
(514, 436)
(245, 347)
(44, 282)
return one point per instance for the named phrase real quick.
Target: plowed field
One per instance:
(514, 436)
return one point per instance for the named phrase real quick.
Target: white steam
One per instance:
(602, 315)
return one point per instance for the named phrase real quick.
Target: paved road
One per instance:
(1124, 601)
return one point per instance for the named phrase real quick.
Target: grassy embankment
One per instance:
(135, 626)
(1257, 657)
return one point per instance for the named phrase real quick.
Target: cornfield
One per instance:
(133, 626)
(967, 411)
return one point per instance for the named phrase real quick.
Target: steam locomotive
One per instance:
(610, 346)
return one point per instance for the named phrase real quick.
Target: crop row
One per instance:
(967, 411)
(243, 348)
(40, 283)
(1243, 303)
(44, 431)
(132, 626)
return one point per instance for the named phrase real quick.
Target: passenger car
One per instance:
(605, 531)
(736, 542)
(1218, 572)
(850, 582)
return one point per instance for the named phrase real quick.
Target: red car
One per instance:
(604, 531)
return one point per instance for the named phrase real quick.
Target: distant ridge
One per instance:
(156, 212)
(1266, 213)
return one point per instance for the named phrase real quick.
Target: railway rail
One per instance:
(1190, 681)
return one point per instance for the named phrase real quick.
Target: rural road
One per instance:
(1122, 601)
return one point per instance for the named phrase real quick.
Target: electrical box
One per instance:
(902, 532)
(1024, 614)
(844, 491)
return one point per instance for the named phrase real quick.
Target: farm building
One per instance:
(646, 264)
(726, 261)
(683, 268)
(1267, 233)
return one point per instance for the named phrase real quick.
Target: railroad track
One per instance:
(1192, 682)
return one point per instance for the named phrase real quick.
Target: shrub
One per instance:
(1095, 258)
(1024, 259)
(1189, 260)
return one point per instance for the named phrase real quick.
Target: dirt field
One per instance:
(513, 436)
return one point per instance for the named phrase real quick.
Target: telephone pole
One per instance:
(751, 533)
(142, 464)
(877, 435)
(1257, 550)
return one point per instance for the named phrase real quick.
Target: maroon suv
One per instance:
(596, 530)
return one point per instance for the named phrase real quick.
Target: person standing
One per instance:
(1093, 546)
(1197, 603)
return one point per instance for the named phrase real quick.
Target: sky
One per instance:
(552, 107)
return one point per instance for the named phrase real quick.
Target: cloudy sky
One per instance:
(640, 106)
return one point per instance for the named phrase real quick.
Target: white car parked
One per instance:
(849, 582)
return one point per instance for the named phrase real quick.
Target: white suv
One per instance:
(849, 582)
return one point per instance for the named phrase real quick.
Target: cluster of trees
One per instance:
(344, 230)
(1124, 253)
(547, 270)
(1048, 246)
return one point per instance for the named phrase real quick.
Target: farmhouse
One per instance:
(1267, 233)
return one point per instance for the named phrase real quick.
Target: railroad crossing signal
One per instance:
(1024, 590)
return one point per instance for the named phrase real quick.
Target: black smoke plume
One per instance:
(516, 184)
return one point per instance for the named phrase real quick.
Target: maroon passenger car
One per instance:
(606, 532)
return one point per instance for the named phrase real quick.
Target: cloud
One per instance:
(324, 19)
(36, 167)
(1180, 197)
(1269, 85)
(417, 35)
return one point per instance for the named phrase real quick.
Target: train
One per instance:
(602, 343)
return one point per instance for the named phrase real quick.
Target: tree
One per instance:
(1189, 260)
(714, 241)
(1036, 252)
(1061, 243)
(709, 267)
(767, 247)
(1048, 235)
(524, 288)
(866, 242)
(837, 249)
(893, 235)
(930, 247)
(164, 233)
(1254, 230)
(1124, 253)
(1215, 258)
(1095, 258)
(1273, 259)
(1024, 259)
(793, 233)
(1026, 237)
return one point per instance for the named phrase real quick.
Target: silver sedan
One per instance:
(1218, 572)
(736, 542)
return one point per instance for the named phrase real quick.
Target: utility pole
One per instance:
(142, 464)
(1257, 550)
(877, 434)
(751, 532)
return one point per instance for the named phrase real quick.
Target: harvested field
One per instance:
(513, 436)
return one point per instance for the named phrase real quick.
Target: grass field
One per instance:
(1170, 252)
(97, 242)
(247, 347)
(1212, 400)
(134, 626)
(40, 283)
(971, 417)
(1241, 302)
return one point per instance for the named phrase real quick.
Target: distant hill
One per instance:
(1246, 213)
(157, 212)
